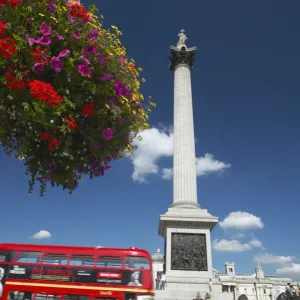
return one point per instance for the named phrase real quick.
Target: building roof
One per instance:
(158, 257)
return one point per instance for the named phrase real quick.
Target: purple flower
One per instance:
(56, 64)
(50, 6)
(121, 120)
(121, 59)
(73, 19)
(106, 76)
(48, 176)
(121, 89)
(60, 37)
(30, 40)
(97, 146)
(100, 58)
(107, 134)
(37, 68)
(52, 165)
(90, 49)
(84, 70)
(45, 29)
(44, 40)
(64, 53)
(77, 37)
(75, 184)
(93, 34)
(85, 57)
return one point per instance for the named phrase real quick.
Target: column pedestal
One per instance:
(188, 260)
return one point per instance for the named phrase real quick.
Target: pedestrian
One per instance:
(157, 282)
(163, 281)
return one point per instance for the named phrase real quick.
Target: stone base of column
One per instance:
(188, 291)
(188, 260)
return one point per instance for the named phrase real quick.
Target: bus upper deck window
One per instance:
(29, 257)
(6, 256)
(55, 259)
(137, 262)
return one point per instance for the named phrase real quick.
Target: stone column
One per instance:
(184, 181)
(184, 161)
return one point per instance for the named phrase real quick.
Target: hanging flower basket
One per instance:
(69, 96)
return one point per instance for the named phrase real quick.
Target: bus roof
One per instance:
(77, 249)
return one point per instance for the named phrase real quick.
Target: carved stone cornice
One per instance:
(190, 224)
(183, 56)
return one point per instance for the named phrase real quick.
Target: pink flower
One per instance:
(93, 34)
(100, 58)
(84, 70)
(30, 40)
(45, 29)
(60, 37)
(44, 41)
(77, 37)
(107, 134)
(56, 64)
(85, 58)
(64, 53)
(90, 49)
(106, 76)
(121, 59)
(37, 68)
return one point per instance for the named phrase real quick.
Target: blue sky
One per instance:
(246, 111)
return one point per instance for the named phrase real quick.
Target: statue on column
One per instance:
(182, 39)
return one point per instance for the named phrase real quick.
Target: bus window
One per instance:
(109, 262)
(17, 295)
(135, 262)
(82, 260)
(47, 297)
(29, 257)
(76, 297)
(55, 259)
(7, 256)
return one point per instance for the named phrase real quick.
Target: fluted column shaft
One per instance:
(184, 161)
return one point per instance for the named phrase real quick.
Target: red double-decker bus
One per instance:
(39, 272)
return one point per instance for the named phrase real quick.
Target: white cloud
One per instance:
(291, 271)
(241, 220)
(272, 259)
(238, 236)
(154, 145)
(256, 243)
(230, 246)
(167, 173)
(207, 164)
(158, 143)
(42, 234)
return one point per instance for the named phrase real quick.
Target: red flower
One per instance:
(2, 26)
(88, 109)
(13, 3)
(71, 123)
(53, 144)
(14, 83)
(7, 48)
(40, 56)
(44, 92)
(79, 11)
(8, 153)
(45, 136)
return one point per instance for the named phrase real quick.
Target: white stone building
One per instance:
(230, 285)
